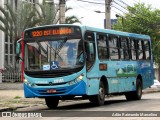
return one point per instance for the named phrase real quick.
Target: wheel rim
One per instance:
(101, 93)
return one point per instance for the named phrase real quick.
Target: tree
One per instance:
(142, 19)
(49, 14)
(14, 21)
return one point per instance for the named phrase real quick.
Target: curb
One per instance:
(150, 90)
(7, 109)
(11, 108)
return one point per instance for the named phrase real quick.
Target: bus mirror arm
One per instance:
(18, 49)
(18, 57)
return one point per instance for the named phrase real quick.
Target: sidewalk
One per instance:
(12, 97)
(11, 86)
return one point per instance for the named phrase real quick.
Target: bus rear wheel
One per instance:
(52, 102)
(135, 95)
(100, 98)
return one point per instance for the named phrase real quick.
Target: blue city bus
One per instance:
(65, 61)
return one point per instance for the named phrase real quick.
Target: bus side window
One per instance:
(133, 49)
(146, 49)
(124, 49)
(102, 47)
(141, 55)
(113, 47)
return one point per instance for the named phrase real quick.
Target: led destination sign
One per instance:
(52, 31)
(39, 33)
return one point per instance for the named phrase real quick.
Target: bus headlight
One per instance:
(78, 79)
(26, 82)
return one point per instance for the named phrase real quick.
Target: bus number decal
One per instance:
(114, 81)
(58, 81)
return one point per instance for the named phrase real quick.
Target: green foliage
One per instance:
(14, 21)
(142, 19)
(48, 14)
(72, 19)
(17, 97)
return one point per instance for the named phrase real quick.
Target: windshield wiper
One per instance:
(42, 48)
(60, 47)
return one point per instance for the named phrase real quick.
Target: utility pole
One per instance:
(108, 13)
(62, 11)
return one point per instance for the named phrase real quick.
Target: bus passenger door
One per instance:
(90, 55)
(91, 64)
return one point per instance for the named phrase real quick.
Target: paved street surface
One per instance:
(13, 100)
(114, 107)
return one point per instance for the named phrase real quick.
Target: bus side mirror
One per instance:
(18, 50)
(18, 47)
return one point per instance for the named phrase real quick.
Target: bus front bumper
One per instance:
(76, 89)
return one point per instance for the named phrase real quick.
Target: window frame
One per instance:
(122, 56)
(117, 39)
(105, 48)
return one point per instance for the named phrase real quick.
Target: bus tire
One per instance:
(100, 98)
(135, 95)
(52, 102)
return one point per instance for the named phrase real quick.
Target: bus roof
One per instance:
(115, 32)
(94, 29)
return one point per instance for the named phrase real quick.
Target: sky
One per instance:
(85, 11)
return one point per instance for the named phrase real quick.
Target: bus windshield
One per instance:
(54, 54)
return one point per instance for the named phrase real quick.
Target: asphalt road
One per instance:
(114, 108)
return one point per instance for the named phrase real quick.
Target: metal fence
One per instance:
(11, 77)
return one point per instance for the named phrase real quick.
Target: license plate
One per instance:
(51, 91)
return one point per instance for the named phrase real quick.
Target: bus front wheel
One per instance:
(100, 98)
(135, 95)
(52, 102)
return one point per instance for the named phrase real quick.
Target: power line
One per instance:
(91, 2)
(115, 12)
(118, 8)
(120, 5)
(78, 5)
(129, 3)
(123, 2)
(135, 1)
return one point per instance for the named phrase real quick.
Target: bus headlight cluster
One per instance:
(78, 79)
(28, 83)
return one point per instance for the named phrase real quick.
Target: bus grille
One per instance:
(52, 73)
(47, 75)
(51, 84)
